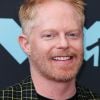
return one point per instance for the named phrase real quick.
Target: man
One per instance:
(53, 40)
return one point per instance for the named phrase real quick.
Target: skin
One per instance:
(55, 49)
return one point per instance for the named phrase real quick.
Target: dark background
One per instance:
(11, 72)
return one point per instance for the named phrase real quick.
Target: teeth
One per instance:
(62, 58)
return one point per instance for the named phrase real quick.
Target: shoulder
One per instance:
(21, 85)
(17, 90)
(86, 94)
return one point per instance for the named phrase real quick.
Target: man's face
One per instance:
(56, 48)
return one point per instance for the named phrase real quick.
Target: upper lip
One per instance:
(62, 58)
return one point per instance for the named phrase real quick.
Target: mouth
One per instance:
(62, 58)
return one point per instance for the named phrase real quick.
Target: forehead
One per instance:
(56, 13)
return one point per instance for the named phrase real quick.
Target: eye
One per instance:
(73, 35)
(48, 35)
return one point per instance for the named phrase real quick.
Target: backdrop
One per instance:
(13, 62)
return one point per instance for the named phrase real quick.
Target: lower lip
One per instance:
(63, 62)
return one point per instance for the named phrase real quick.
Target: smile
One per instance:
(62, 58)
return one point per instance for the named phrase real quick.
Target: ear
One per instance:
(24, 43)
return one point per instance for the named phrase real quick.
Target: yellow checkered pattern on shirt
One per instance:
(26, 91)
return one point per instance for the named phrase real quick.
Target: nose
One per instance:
(63, 43)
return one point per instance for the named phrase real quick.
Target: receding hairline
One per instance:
(28, 13)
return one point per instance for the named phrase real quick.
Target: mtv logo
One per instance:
(9, 32)
(92, 43)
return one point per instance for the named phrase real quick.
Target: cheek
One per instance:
(44, 46)
(78, 45)
(39, 48)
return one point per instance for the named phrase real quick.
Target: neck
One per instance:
(47, 88)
